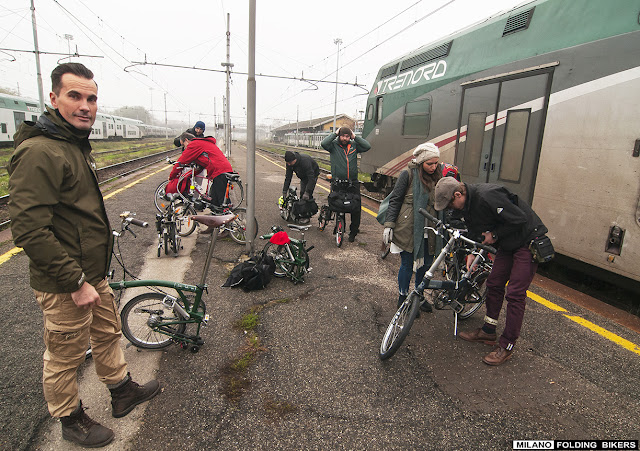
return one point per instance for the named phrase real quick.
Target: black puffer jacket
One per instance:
(493, 208)
(305, 168)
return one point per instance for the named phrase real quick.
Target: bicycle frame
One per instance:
(187, 311)
(295, 262)
(457, 290)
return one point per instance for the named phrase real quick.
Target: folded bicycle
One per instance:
(155, 319)
(289, 254)
(463, 292)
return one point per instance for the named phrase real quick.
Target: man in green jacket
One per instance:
(344, 148)
(59, 219)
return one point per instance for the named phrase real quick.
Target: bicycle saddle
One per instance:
(213, 221)
(299, 227)
(232, 176)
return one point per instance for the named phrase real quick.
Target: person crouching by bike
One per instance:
(509, 224)
(205, 153)
(307, 171)
(404, 226)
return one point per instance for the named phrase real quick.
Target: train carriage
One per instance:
(13, 112)
(103, 128)
(543, 99)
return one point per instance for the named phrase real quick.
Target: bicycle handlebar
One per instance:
(137, 222)
(440, 223)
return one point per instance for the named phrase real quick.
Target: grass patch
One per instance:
(234, 380)
(248, 322)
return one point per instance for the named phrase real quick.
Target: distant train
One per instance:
(543, 99)
(15, 110)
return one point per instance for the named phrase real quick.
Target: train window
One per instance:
(34, 118)
(379, 102)
(4, 128)
(370, 112)
(417, 118)
(515, 137)
(473, 147)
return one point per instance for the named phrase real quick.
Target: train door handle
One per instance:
(484, 167)
(493, 167)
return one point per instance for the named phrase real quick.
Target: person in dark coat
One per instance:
(307, 171)
(496, 215)
(58, 217)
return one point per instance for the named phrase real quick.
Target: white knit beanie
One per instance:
(425, 152)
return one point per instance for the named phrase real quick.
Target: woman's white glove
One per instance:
(387, 235)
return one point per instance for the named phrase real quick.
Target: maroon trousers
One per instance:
(518, 268)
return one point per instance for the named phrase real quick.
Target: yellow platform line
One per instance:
(543, 301)
(7, 255)
(10, 253)
(606, 334)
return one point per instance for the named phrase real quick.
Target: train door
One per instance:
(18, 118)
(501, 125)
(104, 129)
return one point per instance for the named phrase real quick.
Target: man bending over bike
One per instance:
(510, 224)
(204, 153)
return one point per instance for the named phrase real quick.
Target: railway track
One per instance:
(105, 174)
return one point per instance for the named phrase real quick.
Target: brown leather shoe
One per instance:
(497, 357)
(130, 394)
(479, 336)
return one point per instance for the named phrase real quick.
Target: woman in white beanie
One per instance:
(404, 226)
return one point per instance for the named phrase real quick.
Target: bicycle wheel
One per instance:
(159, 200)
(175, 239)
(235, 195)
(238, 227)
(142, 320)
(339, 229)
(476, 296)
(399, 326)
(280, 256)
(183, 217)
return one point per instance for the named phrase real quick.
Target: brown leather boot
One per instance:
(479, 336)
(82, 430)
(497, 357)
(130, 394)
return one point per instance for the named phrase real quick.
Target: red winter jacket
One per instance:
(205, 153)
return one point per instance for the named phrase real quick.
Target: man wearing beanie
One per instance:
(344, 148)
(508, 223)
(197, 130)
(307, 171)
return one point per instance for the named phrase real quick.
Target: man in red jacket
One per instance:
(205, 153)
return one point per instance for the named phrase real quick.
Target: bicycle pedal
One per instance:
(205, 320)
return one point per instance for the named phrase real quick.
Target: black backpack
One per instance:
(253, 274)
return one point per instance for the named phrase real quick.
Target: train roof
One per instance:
(19, 103)
(500, 39)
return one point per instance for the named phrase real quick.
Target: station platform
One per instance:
(308, 375)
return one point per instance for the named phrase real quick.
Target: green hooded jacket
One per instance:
(56, 207)
(344, 160)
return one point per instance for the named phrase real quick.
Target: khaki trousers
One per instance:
(67, 331)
